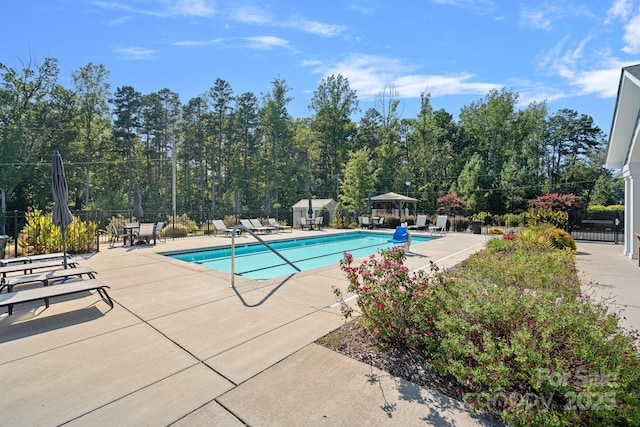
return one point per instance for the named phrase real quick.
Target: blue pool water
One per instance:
(255, 261)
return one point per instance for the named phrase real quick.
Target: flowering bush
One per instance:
(394, 303)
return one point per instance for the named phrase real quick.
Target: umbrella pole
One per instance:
(64, 246)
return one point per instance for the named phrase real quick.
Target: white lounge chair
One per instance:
(258, 224)
(274, 223)
(440, 225)
(158, 231)
(421, 223)
(219, 225)
(250, 226)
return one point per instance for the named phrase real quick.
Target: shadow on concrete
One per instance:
(266, 297)
(28, 323)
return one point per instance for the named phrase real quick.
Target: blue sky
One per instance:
(566, 52)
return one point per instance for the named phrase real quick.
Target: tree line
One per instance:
(224, 149)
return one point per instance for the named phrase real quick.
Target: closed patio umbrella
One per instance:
(137, 203)
(310, 210)
(61, 215)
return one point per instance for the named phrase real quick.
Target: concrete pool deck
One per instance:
(181, 347)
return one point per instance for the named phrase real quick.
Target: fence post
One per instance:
(97, 230)
(15, 233)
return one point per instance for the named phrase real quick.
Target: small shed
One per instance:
(398, 203)
(300, 209)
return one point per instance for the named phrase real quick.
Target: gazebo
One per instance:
(398, 201)
(623, 152)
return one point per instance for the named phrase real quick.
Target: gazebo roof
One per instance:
(392, 197)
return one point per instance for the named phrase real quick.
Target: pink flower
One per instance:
(416, 293)
(402, 289)
(380, 306)
(429, 334)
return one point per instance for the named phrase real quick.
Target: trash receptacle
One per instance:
(477, 227)
(3, 244)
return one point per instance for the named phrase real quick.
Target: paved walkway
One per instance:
(181, 347)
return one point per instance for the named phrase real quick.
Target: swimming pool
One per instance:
(255, 261)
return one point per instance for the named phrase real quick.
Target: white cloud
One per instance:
(632, 35)
(603, 82)
(120, 20)
(266, 42)
(370, 74)
(253, 15)
(536, 19)
(200, 8)
(560, 61)
(257, 42)
(172, 8)
(314, 27)
(136, 52)
(595, 74)
(619, 10)
(198, 43)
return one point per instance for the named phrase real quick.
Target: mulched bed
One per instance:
(400, 361)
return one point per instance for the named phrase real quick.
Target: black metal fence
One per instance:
(597, 226)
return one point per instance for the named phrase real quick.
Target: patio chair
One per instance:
(130, 232)
(440, 225)
(146, 232)
(115, 236)
(219, 225)
(304, 223)
(274, 223)
(421, 223)
(379, 223)
(364, 222)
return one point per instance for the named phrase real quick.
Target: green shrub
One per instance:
(497, 244)
(560, 239)
(601, 208)
(325, 214)
(341, 217)
(462, 223)
(511, 325)
(40, 236)
(539, 217)
(175, 230)
(495, 230)
(514, 220)
(485, 217)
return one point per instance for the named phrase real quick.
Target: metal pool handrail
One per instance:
(259, 239)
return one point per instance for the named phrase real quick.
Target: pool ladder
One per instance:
(259, 239)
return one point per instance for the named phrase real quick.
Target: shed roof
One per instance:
(315, 203)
